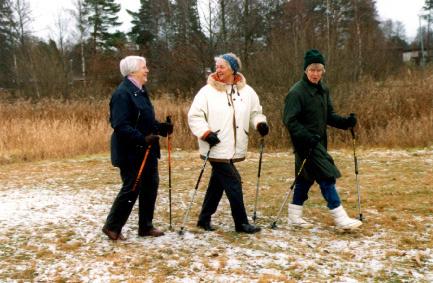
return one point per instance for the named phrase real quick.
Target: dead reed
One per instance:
(394, 113)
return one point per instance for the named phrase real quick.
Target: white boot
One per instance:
(295, 217)
(343, 221)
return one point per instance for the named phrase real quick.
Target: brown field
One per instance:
(52, 212)
(391, 114)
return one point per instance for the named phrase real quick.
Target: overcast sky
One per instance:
(46, 11)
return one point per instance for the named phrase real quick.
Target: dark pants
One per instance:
(224, 178)
(327, 187)
(146, 192)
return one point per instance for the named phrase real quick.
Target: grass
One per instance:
(59, 206)
(397, 113)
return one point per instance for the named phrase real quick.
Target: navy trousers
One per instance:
(146, 193)
(224, 178)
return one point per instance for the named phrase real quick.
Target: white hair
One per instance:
(130, 64)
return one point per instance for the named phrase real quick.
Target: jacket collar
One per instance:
(132, 88)
(213, 81)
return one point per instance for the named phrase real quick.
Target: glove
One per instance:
(314, 140)
(165, 128)
(151, 139)
(351, 120)
(263, 129)
(212, 139)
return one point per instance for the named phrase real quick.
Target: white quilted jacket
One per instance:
(217, 107)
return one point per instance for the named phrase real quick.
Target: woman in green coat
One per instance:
(307, 112)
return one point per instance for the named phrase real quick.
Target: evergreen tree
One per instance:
(144, 29)
(7, 26)
(187, 22)
(102, 16)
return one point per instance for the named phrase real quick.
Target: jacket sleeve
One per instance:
(256, 111)
(333, 119)
(292, 110)
(122, 121)
(198, 115)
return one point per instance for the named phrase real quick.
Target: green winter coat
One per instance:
(307, 111)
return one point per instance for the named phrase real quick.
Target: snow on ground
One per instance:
(51, 214)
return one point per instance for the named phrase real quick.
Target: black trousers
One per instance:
(224, 178)
(146, 192)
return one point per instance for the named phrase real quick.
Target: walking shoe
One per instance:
(111, 234)
(248, 228)
(205, 225)
(152, 232)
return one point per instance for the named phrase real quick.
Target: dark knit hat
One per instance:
(313, 56)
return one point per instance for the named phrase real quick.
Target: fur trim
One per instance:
(214, 82)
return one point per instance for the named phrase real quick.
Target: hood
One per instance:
(213, 81)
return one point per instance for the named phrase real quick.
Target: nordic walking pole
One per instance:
(185, 217)
(355, 159)
(137, 180)
(262, 145)
(168, 120)
(274, 224)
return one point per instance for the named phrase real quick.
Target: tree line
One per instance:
(180, 40)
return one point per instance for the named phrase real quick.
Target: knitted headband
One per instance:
(232, 62)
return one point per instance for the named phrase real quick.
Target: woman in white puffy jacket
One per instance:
(220, 117)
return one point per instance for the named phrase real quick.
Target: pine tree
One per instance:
(7, 35)
(102, 16)
(143, 31)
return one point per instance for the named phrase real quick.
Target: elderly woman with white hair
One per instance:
(135, 130)
(220, 117)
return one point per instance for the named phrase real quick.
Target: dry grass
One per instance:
(394, 114)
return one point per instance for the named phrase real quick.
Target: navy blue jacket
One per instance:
(132, 117)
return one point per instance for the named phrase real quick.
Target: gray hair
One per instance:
(129, 64)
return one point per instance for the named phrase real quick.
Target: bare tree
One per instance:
(79, 14)
(24, 19)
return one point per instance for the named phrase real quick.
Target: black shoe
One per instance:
(205, 226)
(248, 228)
(153, 232)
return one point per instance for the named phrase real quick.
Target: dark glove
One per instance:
(314, 140)
(212, 139)
(151, 139)
(165, 128)
(351, 120)
(263, 128)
